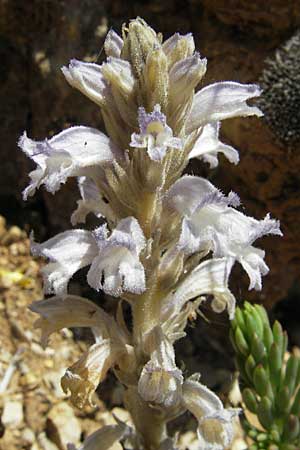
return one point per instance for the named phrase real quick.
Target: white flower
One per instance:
(88, 79)
(184, 77)
(113, 44)
(208, 278)
(73, 152)
(208, 146)
(69, 311)
(104, 438)
(210, 224)
(91, 201)
(84, 376)
(155, 135)
(171, 45)
(215, 430)
(221, 101)
(119, 72)
(114, 260)
(160, 381)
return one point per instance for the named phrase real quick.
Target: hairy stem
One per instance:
(149, 422)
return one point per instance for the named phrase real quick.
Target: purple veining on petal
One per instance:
(100, 234)
(145, 119)
(218, 198)
(263, 227)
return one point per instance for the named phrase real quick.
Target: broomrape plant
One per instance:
(164, 241)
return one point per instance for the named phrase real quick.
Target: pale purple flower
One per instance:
(219, 101)
(113, 44)
(160, 381)
(155, 135)
(87, 78)
(209, 278)
(211, 224)
(172, 43)
(70, 311)
(73, 152)
(208, 146)
(215, 428)
(114, 260)
(104, 438)
(91, 202)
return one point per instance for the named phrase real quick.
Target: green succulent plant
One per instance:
(270, 385)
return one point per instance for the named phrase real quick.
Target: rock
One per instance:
(36, 409)
(62, 426)
(45, 443)
(28, 437)
(264, 18)
(52, 379)
(12, 415)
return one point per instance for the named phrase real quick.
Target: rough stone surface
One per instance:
(280, 101)
(263, 18)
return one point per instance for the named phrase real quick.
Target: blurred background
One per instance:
(243, 41)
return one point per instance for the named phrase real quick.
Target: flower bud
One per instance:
(178, 47)
(113, 44)
(139, 40)
(156, 79)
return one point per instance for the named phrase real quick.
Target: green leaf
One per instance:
(258, 321)
(275, 364)
(257, 348)
(239, 320)
(252, 324)
(232, 340)
(296, 404)
(291, 429)
(268, 336)
(250, 400)
(261, 381)
(291, 373)
(241, 342)
(264, 413)
(283, 400)
(263, 314)
(250, 365)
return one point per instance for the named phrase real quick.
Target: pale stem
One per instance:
(146, 212)
(148, 421)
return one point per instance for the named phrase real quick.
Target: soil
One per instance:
(34, 411)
